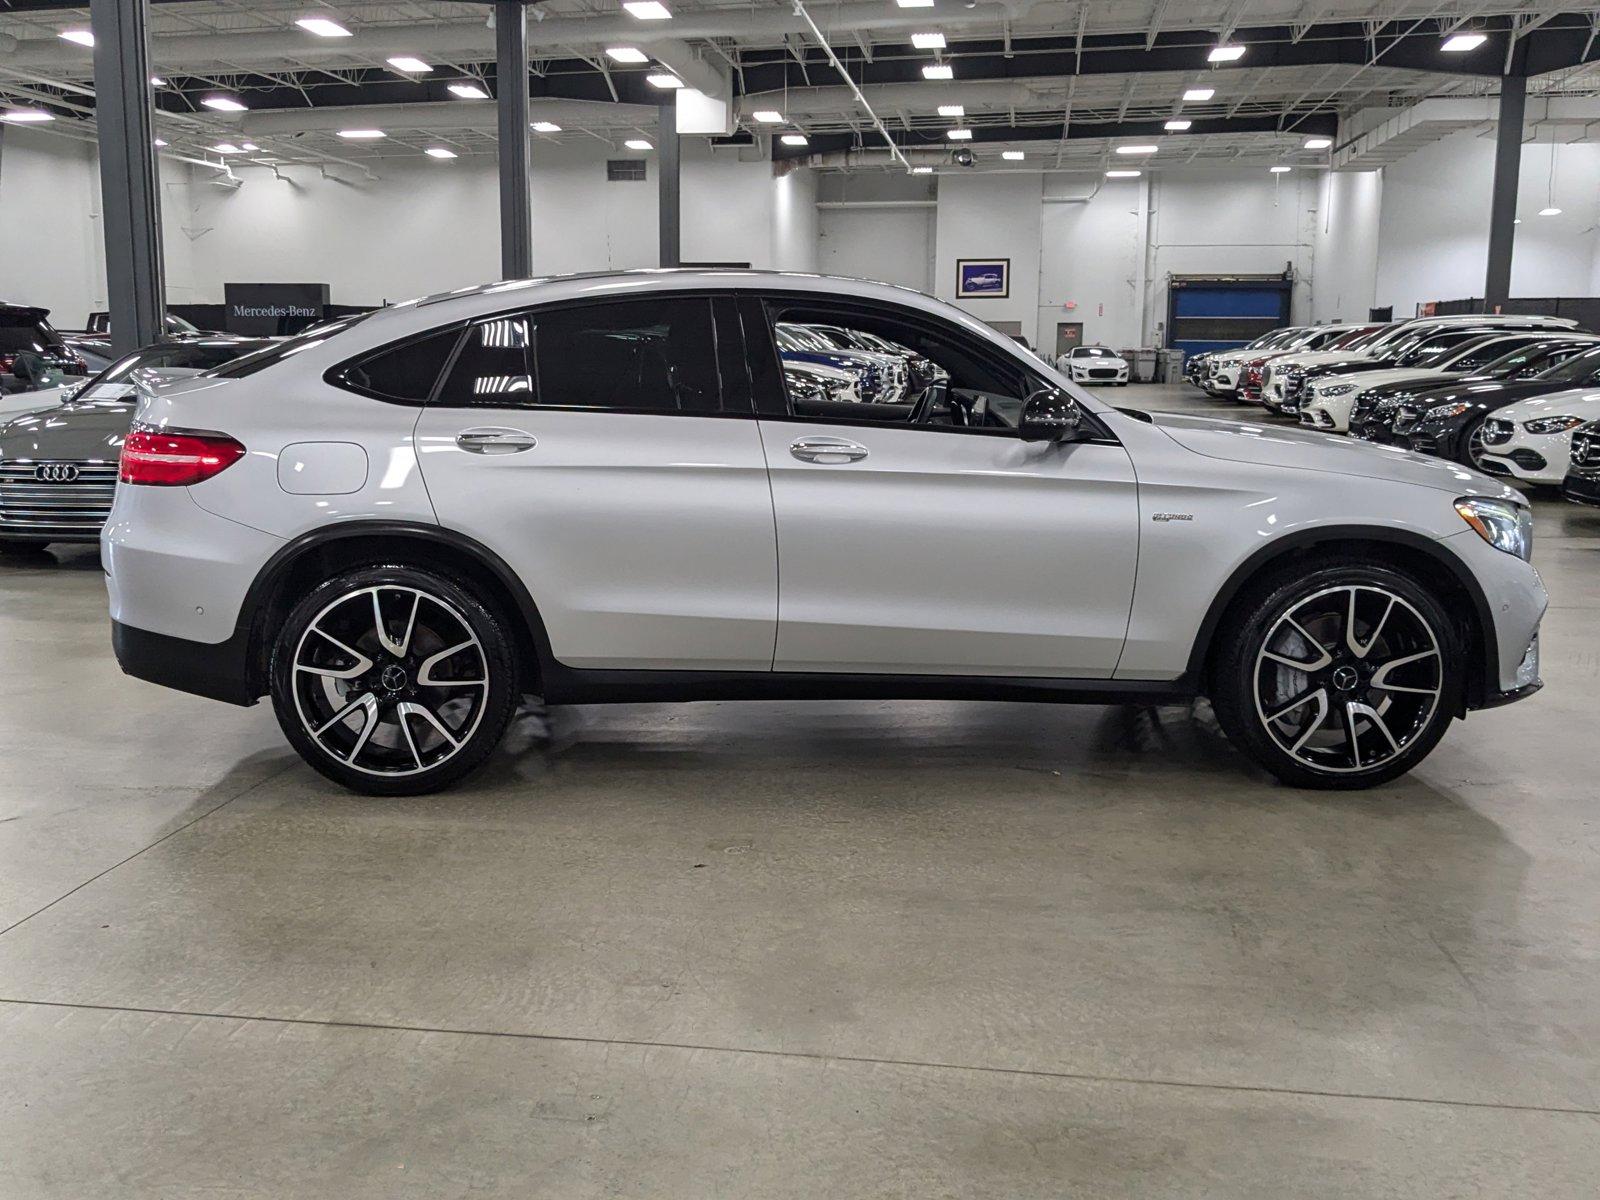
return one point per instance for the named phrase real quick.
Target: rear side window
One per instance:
(27, 335)
(405, 373)
(657, 355)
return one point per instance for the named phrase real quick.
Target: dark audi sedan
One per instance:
(58, 465)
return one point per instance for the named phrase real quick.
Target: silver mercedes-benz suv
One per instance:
(600, 489)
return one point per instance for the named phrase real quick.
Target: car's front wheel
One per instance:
(393, 680)
(1341, 677)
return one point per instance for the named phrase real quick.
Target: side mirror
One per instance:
(1050, 416)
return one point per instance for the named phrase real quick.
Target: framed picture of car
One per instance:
(983, 278)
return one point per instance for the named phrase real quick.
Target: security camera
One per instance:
(963, 158)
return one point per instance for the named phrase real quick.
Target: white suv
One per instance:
(599, 489)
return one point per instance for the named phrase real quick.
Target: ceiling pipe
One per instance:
(441, 115)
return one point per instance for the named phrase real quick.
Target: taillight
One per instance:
(176, 457)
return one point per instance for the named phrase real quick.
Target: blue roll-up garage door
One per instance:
(1220, 313)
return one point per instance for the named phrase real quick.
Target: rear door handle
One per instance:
(495, 440)
(827, 450)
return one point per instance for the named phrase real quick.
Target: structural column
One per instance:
(669, 206)
(135, 281)
(511, 72)
(1503, 206)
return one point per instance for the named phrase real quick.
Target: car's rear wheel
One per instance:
(393, 680)
(1341, 677)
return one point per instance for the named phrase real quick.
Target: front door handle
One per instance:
(493, 439)
(827, 450)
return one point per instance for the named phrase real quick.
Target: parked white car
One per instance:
(582, 488)
(1531, 440)
(1328, 403)
(1093, 364)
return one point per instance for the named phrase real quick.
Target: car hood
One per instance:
(1316, 359)
(1484, 393)
(91, 429)
(1304, 449)
(1376, 378)
(1104, 360)
(1577, 402)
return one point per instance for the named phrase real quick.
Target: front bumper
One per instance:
(1582, 489)
(1532, 458)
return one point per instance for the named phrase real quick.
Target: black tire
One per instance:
(1269, 709)
(426, 730)
(1464, 442)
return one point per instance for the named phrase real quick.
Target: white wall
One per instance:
(1345, 245)
(991, 216)
(50, 248)
(1092, 242)
(1434, 229)
(794, 221)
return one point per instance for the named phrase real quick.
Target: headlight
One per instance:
(1504, 525)
(1552, 424)
(1444, 411)
(1337, 389)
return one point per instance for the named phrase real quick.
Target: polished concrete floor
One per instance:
(811, 950)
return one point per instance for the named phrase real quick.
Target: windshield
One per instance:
(277, 351)
(1576, 369)
(1092, 352)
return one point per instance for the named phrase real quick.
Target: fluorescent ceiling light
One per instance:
(922, 41)
(157, 81)
(1123, 174)
(921, 170)
(227, 148)
(322, 27)
(1137, 149)
(1457, 44)
(439, 152)
(361, 135)
(638, 144)
(1551, 211)
(1318, 143)
(160, 142)
(768, 117)
(626, 54)
(468, 91)
(1280, 170)
(794, 139)
(247, 147)
(915, 4)
(958, 135)
(546, 127)
(1013, 155)
(952, 110)
(409, 65)
(1225, 54)
(223, 104)
(648, 10)
(938, 71)
(27, 116)
(1177, 124)
(1198, 95)
(83, 37)
(664, 80)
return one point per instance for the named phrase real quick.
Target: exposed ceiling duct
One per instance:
(442, 116)
(1387, 137)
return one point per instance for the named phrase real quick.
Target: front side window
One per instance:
(935, 376)
(657, 355)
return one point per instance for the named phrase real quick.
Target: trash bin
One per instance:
(1145, 366)
(1171, 366)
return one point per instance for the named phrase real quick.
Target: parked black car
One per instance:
(1443, 421)
(58, 466)
(1582, 484)
(32, 353)
(1372, 417)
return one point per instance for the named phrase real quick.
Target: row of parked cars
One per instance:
(1513, 396)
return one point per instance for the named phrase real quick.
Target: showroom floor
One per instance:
(863, 949)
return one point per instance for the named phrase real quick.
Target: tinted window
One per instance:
(26, 335)
(406, 372)
(656, 355)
